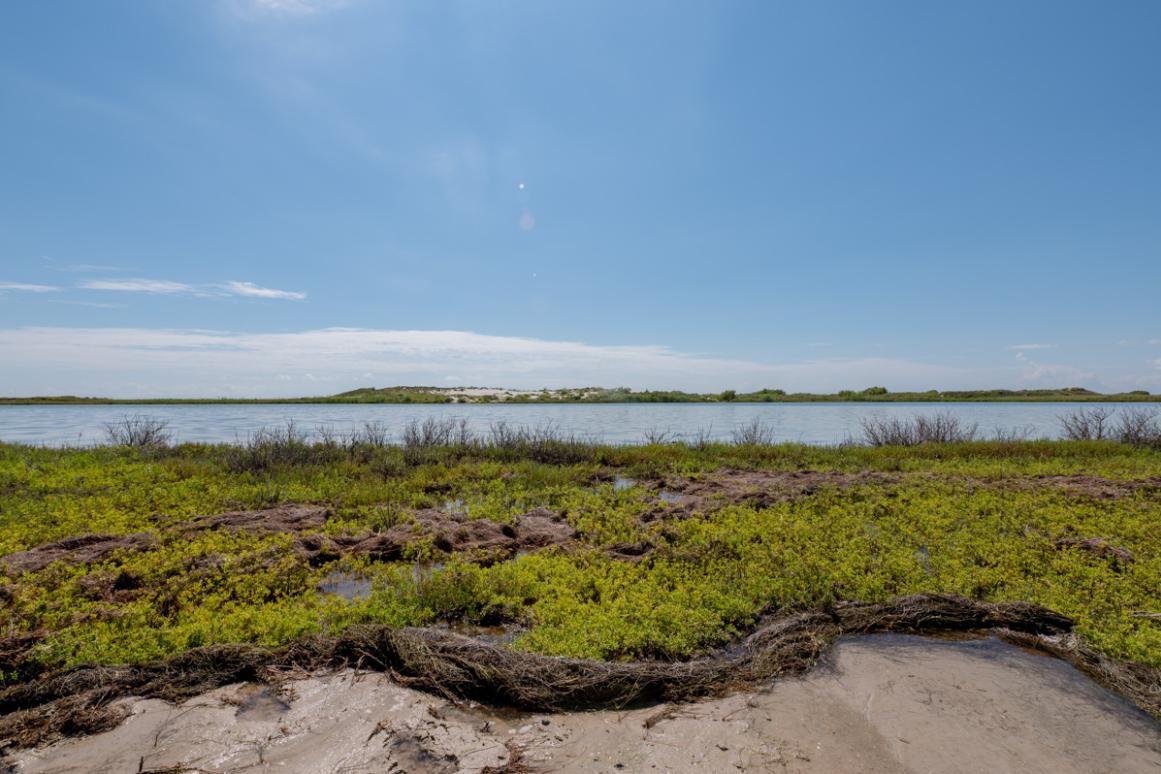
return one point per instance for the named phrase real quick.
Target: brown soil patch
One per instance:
(14, 650)
(483, 539)
(83, 549)
(1091, 486)
(284, 518)
(760, 488)
(629, 552)
(1098, 547)
(449, 532)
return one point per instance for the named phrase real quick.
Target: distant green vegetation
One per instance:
(983, 519)
(626, 395)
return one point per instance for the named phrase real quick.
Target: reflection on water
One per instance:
(495, 634)
(814, 423)
(621, 484)
(1091, 698)
(344, 584)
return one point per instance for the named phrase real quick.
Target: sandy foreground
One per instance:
(881, 703)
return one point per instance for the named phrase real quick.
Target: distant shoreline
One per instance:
(593, 395)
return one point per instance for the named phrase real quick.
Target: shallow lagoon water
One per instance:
(812, 423)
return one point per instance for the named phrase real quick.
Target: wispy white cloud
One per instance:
(142, 286)
(208, 363)
(1155, 342)
(250, 289)
(298, 7)
(93, 304)
(25, 287)
(1049, 374)
(81, 268)
(169, 287)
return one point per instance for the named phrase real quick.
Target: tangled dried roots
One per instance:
(72, 701)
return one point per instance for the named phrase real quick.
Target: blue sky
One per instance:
(278, 197)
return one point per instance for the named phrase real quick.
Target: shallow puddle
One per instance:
(497, 634)
(260, 704)
(421, 572)
(346, 585)
(621, 484)
(456, 505)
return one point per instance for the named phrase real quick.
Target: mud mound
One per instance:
(483, 539)
(461, 667)
(83, 549)
(89, 549)
(284, 518)
(761, 488)
(1089, 486)
(452, 533)
(1098, 547)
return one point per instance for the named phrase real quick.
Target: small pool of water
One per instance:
(346, 585)
(621, 484)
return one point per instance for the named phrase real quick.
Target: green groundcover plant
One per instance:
(990, 520)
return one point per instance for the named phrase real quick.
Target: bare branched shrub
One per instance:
(436, 431)
(462, 434)
(899, 431)
(421, 439)
(944, 428)
(1139, 427)
(888, 431)
(372, 433)
(1087, 424)
(502, 435)
(1013, 434)
(753, 433)
(655, 436)
(546, 443)
(280, 445)
(328, 436)
(701, 438)
(138, 431)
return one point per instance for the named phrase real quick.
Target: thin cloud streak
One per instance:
(92, 304)
(83, 268)
(169, 287)
(1024, 347)
(298, 7)
(250, 289)
(25, 287)
(1049, 374)
(141, 286)
(211, 363)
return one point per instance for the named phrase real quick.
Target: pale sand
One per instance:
(882, 703)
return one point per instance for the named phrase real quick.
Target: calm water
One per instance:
(815, 423)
